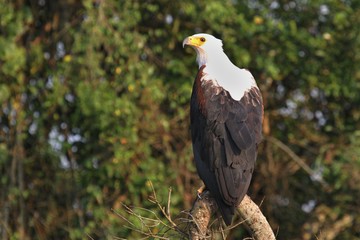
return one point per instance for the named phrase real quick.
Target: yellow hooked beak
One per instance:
(194, 41)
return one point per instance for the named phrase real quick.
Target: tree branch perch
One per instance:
(205, 206)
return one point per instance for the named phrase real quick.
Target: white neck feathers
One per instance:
(224, 73)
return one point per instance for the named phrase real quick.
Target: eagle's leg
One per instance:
(200, 191)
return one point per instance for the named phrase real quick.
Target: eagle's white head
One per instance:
(206, 46)
(218, 66)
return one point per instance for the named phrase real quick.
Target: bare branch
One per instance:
(297, 159)
(165, 212)
(205, 206)
(291, 154)
(151, 224)
(255, 220)
(201, 213)
(198, 223)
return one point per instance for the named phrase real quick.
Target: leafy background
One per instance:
(95, 104)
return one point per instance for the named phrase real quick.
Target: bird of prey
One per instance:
(226, 116)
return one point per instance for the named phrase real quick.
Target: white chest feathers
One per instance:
(235, 80)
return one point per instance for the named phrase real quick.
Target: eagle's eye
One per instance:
(202, 39)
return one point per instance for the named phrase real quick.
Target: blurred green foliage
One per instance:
(95, 101)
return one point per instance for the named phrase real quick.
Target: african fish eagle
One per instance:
(226, 115)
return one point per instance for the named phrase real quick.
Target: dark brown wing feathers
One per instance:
(225, 134)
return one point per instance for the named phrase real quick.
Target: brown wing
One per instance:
(225, 134)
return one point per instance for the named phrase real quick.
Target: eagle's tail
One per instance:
(227, 211)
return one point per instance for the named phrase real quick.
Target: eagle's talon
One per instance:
(200, 191)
